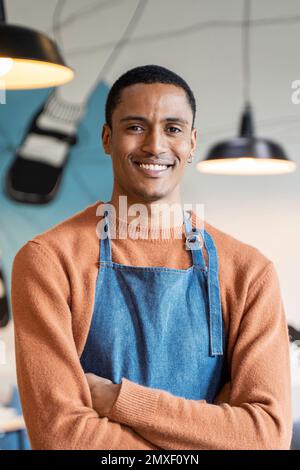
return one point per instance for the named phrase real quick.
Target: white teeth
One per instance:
(153, 167)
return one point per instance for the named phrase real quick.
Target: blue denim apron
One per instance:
(157, 326)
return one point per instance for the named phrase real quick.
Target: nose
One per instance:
(154, 142)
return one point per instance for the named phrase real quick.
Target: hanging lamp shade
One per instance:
(29, 59)
(246, 154)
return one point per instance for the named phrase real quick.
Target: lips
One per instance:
(152, 172)
(150, 162)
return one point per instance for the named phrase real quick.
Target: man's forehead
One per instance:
(158, 91)
(140, 98)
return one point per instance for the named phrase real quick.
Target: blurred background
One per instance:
(230, 53)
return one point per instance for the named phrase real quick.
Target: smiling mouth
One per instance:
(152, 169)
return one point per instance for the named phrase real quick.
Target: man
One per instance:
(150, 341)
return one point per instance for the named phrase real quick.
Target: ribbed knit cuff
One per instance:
(135, 405)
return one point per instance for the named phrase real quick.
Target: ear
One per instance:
(193, 141)
(106, 138)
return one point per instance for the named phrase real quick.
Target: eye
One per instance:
(177, 130)
(134, 127)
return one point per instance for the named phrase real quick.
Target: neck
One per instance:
(162, 212)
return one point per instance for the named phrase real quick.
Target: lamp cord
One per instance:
(246, 52)
(2, 11)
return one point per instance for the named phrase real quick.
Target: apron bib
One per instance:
(157, 326)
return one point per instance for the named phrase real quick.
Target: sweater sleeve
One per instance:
(54, 393)
(252, 411)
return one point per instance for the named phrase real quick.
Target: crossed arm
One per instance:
(64, 409)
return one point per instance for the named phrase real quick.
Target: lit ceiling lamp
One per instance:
(29, 59)
(246, 154)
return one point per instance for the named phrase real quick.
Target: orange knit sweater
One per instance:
(53, 286)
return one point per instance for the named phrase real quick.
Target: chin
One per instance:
(150, 196)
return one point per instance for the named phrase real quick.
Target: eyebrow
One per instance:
(142, 118)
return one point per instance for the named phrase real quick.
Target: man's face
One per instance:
(151, 124)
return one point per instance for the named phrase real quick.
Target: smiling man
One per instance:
(171, 337)
(153, 124)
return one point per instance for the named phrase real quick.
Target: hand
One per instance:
(104, 393)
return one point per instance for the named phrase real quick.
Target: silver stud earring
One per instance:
(190, 159)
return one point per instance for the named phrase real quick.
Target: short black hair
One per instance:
(146, 74)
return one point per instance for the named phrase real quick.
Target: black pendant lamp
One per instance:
(246, 154)
(29, 59)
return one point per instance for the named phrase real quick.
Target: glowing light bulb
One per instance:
(5, 65)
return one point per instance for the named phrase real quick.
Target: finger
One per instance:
(91, 379)
(104, 380)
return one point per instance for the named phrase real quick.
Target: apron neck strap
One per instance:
(195, 240)
(105, 243)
